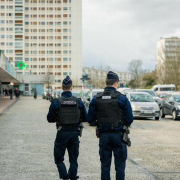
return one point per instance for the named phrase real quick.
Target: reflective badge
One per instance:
(69, 102)
(106, 97)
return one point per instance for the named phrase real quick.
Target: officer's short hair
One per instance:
(66, 87)
(110, 82)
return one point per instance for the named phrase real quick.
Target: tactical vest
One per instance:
(108, 108)
(69, 112)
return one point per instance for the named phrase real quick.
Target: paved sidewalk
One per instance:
(5, 102)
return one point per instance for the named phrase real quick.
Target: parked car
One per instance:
(143, 105)
(89, 96)
(48, 95)
(166, 87)
(75, 93)
(58, 93)
(44, 94)
(152, 93)
(171, 106)
(162, 94)
(52, 95)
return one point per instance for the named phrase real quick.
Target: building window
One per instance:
(65, 8)
(65, 73)
(26, 16)
(65, 59)
(65, 23)
(65, 52)
(26, 59)
(65, 30)
(65, 44)
(26, 23)
(65, 37)
(2, 21)
(2, 29)
(26, 52)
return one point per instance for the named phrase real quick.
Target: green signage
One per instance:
(21, 65)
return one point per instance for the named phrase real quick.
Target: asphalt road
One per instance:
(26, 147)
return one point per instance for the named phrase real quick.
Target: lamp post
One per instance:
(84, 78)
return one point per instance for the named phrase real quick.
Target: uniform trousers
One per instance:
(67, 140)
(112, 143)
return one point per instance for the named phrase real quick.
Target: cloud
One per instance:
(115, 32)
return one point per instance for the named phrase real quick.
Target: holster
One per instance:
(98, 133)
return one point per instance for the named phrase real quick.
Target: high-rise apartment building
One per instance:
(168, 60)
(46, 35)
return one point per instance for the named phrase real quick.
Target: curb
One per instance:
(1, 113)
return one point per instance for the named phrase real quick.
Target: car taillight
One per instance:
(49, 93)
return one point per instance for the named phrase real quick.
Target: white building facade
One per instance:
(43, 37)
(98, 74)
(168, 59)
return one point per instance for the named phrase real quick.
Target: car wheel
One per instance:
(156, 118)
(161, 113)
(174, 115)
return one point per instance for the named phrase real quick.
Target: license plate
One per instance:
(148, 112)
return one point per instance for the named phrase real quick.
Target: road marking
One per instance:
(145, 171)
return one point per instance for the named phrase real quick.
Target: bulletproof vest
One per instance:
(108, 108)
(69, 112)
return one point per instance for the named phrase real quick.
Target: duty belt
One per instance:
(110, 131)
(71, 126)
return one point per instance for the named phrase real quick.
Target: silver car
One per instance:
(143, 105)
(153, 94)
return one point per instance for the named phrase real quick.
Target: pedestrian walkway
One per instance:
(6, 102)
(26, 146)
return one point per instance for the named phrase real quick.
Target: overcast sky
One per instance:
(117, 31)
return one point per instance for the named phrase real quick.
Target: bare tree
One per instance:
(135, 68)
(168, 69)
(48, 79)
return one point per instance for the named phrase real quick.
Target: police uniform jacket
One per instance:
(124, 104)
(55, 107)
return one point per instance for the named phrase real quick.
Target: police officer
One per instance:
(110, 109)
(67, 112)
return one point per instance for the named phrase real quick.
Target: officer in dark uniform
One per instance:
(68, 112)
(111, 109)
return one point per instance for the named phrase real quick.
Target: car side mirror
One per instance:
(88, 99)
(171, 102)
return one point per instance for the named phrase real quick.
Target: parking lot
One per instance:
(26, 146)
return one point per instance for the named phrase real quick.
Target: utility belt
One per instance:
(72, 126)
(99, 132)
(124, 133)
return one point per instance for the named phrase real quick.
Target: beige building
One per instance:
(46, 35)
(100, 75)
(168, 60)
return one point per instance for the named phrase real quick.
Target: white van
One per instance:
(166, 87)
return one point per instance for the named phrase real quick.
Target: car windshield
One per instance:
(152, 93)
(76, 94)
(141, 98)
(95, 92)
(177, 98)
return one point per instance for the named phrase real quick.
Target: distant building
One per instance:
(168, 60)
(98, 75)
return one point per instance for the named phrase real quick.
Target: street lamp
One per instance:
(84, 78)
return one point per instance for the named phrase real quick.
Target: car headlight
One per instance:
(178, 107)
(136, 108)
(156, 108)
